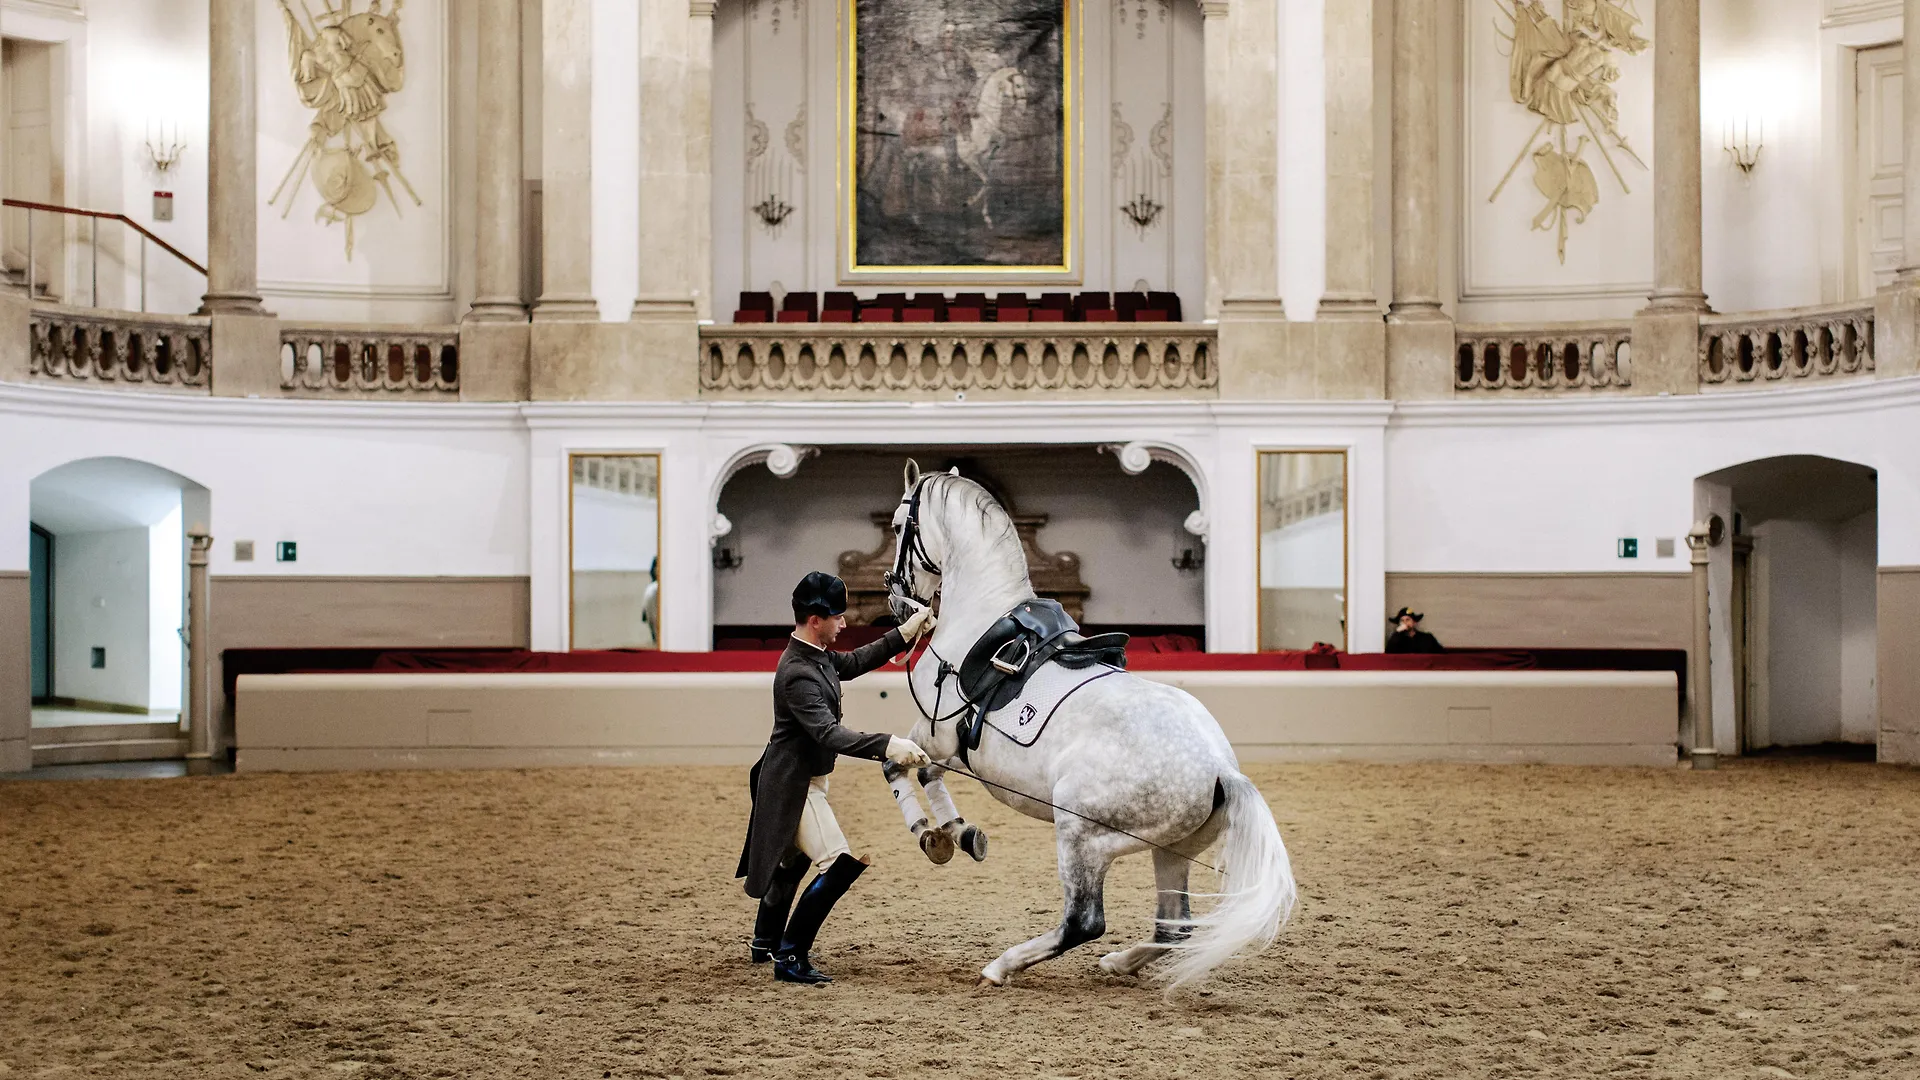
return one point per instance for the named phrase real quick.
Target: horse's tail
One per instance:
(1257, 894)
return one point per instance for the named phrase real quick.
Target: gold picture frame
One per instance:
(1261, 457)
(1066, 272)
(574, 472)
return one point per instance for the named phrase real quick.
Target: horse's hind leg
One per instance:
(1171, 915)
(971, 838)
(1086, 851)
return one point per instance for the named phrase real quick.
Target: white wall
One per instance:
(166, 610)
(100, 600)
(1859, 607)
(363, 488)
(1804, 625)
(787, 70)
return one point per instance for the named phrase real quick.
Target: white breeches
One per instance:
(820, 837)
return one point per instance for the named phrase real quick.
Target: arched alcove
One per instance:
(1110, 537)
(1792, 602)
(108, 608)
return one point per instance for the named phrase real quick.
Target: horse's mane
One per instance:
(970, 498)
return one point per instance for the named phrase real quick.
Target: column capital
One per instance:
(1213, 9)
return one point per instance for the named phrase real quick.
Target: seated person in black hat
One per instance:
(792, 826)
(1407, 637)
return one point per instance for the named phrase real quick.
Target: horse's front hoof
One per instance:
(937, 845)
(989, 977)
(1115, 963)
(974, 843)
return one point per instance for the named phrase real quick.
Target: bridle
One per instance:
(912, 551)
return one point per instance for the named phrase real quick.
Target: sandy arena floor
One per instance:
(1761, 921)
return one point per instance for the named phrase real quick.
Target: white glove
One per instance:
(905, 753)
(920, 622)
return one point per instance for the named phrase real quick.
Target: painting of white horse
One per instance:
(960, 140)
(1122, 764)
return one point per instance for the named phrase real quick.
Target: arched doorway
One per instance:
(109, 610)
(1793, 605)
(1107, 535)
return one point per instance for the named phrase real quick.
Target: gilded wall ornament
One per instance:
(1562, 70)
(345, 63)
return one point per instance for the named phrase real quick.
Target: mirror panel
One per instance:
(613, 518)
(1303, 548)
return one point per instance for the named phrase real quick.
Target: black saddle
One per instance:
(1034, 633)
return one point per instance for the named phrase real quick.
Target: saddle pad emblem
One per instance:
(1024, 718)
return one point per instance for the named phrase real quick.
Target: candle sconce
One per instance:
(1743, 139)
(727, 559)
(773, 210)
(164, 152)
(1142, 211)
(1189, 561)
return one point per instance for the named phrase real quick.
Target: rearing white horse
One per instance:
(1122, 765)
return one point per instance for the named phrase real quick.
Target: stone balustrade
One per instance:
(333, 358)
(99, 347)
(1796, 343)
(1555, 356)
(1175, 359)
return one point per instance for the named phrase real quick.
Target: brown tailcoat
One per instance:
(807, 736)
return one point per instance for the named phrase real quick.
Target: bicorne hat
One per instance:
(1406, 612)
(819, 594)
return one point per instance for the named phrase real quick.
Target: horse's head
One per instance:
(1013, 92)
(915, 577)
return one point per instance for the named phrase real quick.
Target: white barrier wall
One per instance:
(296, 722)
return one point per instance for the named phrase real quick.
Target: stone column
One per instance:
(493, 336)
(1213, 14)
(1244, 251)
(1699, 663)
(566, 293)
(1666, 334)
(565, 358)
(246, 339)
(200, 742)
(233, 196)
(1350, 346)
(1897, 309)
(1419, 334)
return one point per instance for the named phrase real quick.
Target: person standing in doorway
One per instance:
(791, 825)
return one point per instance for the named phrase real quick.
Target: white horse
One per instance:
(1123, 765)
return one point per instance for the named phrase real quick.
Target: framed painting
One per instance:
(959, 139)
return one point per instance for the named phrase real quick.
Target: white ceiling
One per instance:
(104, 494)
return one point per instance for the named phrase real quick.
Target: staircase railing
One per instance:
(93, 239)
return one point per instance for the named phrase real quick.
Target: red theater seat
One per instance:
(750, 315)
(1049, 315)
(914, 314)
(877, 314)
(840, 315)
(965, 314)
(796, 316)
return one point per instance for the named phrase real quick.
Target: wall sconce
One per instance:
(772, 210)
(1743, 139)
(1141, 211)
(727, 559)
(1189, 561)
(164, 151)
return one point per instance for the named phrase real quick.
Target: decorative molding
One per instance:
(1122, 139)
(797, 137)
(1160, 140)
(199, 411)
(344, 65)
(758, 137)
(1832, 399)
(1846, 12)
(1562, 71)
(1135, 458)
(781, 459)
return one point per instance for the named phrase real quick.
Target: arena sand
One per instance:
(1761, 921)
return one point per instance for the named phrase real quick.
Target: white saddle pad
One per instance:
(1023, 718)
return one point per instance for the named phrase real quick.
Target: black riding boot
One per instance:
(790, 963)
(770, 924)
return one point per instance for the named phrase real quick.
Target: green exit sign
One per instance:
(286, 551)
(1629, 548)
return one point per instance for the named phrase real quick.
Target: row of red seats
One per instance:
(758, 307)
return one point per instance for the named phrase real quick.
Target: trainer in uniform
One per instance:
(792, 825)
